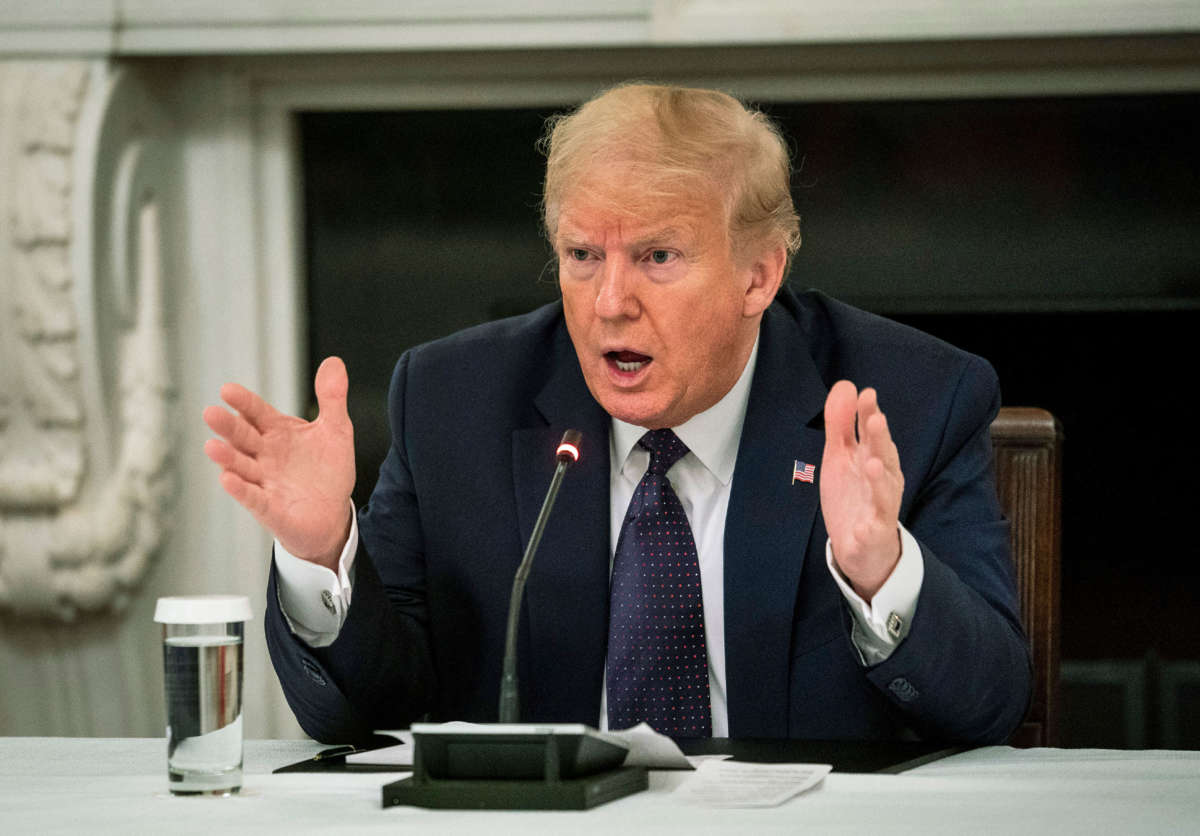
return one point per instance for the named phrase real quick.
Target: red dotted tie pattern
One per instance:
(657, 668)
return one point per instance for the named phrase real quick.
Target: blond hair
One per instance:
(676, 138)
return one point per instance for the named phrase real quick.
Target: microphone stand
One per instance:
(508, 765)
(566, 455)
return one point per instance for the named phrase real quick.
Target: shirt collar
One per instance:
(711, 435)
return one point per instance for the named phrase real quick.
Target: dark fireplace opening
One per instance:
(1057, 237)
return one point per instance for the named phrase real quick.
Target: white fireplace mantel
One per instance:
(150, 229)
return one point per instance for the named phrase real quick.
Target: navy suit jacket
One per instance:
(475, 419)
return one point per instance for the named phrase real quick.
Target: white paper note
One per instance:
(648, 748)
(399, 755)
(736, 784)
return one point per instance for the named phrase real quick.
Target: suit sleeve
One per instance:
(378, 673)
(963, 672)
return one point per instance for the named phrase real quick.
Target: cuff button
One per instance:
(903, 689)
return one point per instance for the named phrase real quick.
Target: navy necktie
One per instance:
(657, 668)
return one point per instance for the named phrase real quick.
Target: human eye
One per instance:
(578, 261)
(576, 254)
(657, 257)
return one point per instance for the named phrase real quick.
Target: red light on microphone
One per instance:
(568, 448)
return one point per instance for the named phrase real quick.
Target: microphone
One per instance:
(508, 766)
(566, 455)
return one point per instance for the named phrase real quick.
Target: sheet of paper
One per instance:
(398, 755)
(735, 784)
(648, 748)
(696, 760)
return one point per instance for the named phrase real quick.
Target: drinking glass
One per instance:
(202, 676)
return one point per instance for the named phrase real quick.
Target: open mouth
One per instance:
(627, 362)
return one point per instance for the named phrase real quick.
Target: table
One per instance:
(93, 785)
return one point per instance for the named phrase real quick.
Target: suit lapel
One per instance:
(566, 609)
(768, 527)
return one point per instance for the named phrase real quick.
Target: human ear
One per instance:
(765, 274)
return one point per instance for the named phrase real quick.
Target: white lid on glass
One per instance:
(203, 609)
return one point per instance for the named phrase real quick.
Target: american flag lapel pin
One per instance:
(802, 472)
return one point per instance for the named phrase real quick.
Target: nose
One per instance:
(616, 296)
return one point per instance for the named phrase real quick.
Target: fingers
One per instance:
(882, 465)
(875, 436)
(249, 405)
(330, 385)
(840, 407)
(855, 426)
(868, 405)
(886, 487)
(234, 428)
(232, 460)
(853, 417)
(251, 497)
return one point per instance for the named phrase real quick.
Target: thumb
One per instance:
(331, 385)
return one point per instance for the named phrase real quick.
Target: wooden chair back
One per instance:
(1028, 448)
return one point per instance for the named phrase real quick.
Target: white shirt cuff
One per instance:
(881, 625)
(315, 600)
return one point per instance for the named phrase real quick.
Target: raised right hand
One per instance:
(294, 476)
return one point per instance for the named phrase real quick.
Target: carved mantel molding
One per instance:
(85, 398)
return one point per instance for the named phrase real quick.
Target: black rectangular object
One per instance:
(517, 794)
(466, 769)
(885, 756)
(462, 755)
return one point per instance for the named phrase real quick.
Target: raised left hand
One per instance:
(861, 485)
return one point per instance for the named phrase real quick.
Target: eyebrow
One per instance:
(664, 234)
(566, 239)
(573, 238)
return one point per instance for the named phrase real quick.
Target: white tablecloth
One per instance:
(60, 785)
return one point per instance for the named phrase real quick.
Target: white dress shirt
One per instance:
(315, 600)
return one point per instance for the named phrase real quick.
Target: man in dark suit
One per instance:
(846, 575)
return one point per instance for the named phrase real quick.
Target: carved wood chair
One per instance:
(1028, 447)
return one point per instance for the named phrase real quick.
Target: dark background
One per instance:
(1057, 237)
